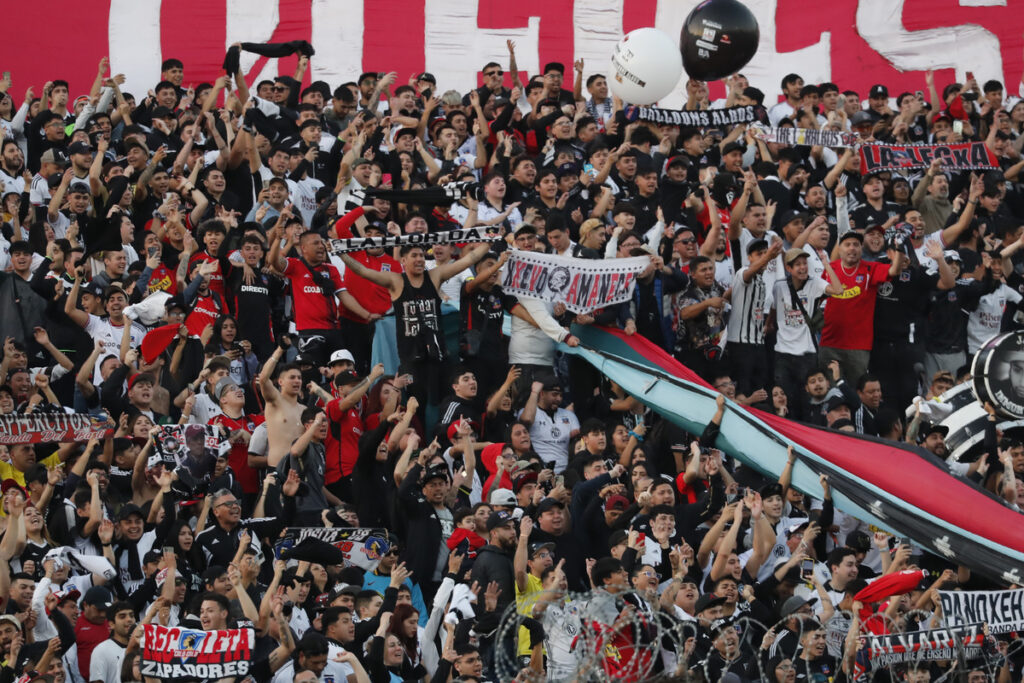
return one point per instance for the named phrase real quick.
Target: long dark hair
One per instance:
(409, 644)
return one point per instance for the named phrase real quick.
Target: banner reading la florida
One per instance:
(172, 652)
(583, 285)
(51, 427)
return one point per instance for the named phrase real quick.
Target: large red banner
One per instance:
(853, 43)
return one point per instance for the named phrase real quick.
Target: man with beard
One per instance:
(494, 560)
(700, 320)
(931, 198)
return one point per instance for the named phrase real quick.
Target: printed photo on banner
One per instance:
(195, 447)
(582, 285)
(361, 547)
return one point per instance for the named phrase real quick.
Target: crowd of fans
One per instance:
(377, 389)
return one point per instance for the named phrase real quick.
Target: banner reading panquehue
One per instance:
(1003, 611)
(51, 427)
(583, 285)
(964, 156)
(491, 233)
(172, 652)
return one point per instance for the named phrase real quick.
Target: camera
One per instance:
(969, 96)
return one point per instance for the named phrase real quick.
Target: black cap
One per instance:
(618, 537)
(436, 472)
(160, 112)
(128, 510)
(552, 383)
(851, 234)
(835, 401)
(79, 148)
(733, 147)
(347, 377)
(426, 76)
(547, 504)
(707, 601)
(878, 90)
(151, 556)
(98, 596)
(213, 573)
(928, 428)
(772, 489)
(789, 216)
(537, 547)
(499, 518)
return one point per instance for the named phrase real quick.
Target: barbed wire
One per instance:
(625, 636)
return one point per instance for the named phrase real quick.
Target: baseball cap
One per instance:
(436, 472)
(70, 594)
(98, 596)
(794, 603)
(733, 147)
(79, 148)
(521, 480)
(552, 383)
(340, 356)
(11, 484)
(616, 502)
(499, 518)
(793, 254)
(851, 234)
(141, 377)
(129, 510)
(547, 504)
(929, 428)
(341, 589)
(772, 489)
(878, 90)
(861, 118)
(453, 428)
(503, 497)
(54, 156)
(152, 556)
(347, 377)
(213, 573)
(427, 76)
(11, 618)
(223, 386)
(707, 601)
(835, 401)
(618, 537)
(792, 215)
(537, 547)
(160, 112)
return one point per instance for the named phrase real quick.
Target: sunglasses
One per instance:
(688, 240)
(499, 72)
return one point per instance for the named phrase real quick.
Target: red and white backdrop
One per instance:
(854, 43)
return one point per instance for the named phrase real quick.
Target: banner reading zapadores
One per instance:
(583, 285)
(51, 427)
(172, 652)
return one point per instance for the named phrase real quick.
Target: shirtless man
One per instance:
(283, 411)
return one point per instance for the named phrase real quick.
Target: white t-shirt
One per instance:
(102, 330)
(815, 266)
(983, 322)
(452, 287)
(779, 112)
(550, 435)
(105, 663)
(922, 253)
(792, 334)
(304, 196)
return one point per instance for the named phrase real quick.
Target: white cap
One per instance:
(341, 355)
(503, 497)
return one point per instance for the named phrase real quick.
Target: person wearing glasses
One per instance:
(380, 578)
(493, 84)
(219, 541)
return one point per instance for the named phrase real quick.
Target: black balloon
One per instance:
(718, 39)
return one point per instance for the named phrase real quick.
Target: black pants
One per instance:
(359, 337)
(748, 367)
(317, 346)
(791, 374)
(893, 364)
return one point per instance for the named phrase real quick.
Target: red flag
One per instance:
(156, 340)
(890, 584)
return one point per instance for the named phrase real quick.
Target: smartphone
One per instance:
(958, 127)
(589, 169)
(970, 75)
(152, 251)
(806, 568)
(550, 464)
(266, 184)
(168, 549)
(641, 538)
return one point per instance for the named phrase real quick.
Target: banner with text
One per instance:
(805, 137)
(490, 233)
(51, 427)
(921, 646)
(703, 118)
(195, 447)
(172, 652)
(363, 547)
(583, 285)
(965, 156)
(1003, 611)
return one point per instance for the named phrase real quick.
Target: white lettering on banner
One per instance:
(1003, 611)
(964, 48)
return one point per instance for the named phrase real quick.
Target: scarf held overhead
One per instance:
(805, 137)
(583, 285)
(703, 118)
(490, 233)
(875, 157)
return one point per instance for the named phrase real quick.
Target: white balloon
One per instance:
(646, 66)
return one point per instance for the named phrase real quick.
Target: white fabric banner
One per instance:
(583, 285)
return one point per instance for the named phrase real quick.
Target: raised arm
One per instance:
(389, 280)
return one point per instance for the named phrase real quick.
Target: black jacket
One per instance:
(495, 564)
(422, 524)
